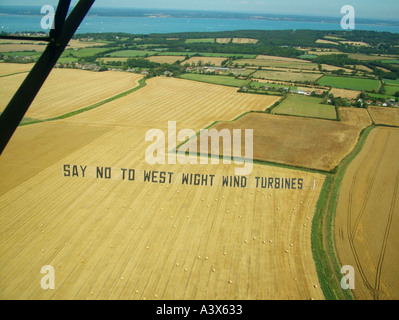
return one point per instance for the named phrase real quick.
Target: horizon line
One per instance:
(248, 13)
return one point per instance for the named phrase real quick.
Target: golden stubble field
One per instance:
(366, 223)
(67, 90)
(7, 45)
(121, 239)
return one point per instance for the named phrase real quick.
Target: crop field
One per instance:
(258, 84)
(26, 45)
(223, 40)
(355, 116)
(166, 59)
(309, 143)
(334, 68)
(391, 90)
(244, 40)
(287, 75)
(107, 60)
(345, 93)
(5, 48)
(135, 239)
(131, 53)
(7, 69)
(216, 61)
(223, 80)
(305, 106)
(366, 222)
(204, 40)
(85, 52)
(385, 116)
(350, 83)
(272, 63)
(85, 88)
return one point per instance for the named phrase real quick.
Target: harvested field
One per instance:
(286, 64)
(244, 40)
(12, 68)
(78, 44)
(85, 88)
(356, 43)
(366, 57)
(215, 79)
(124, 239)
(166, 59)
(287, 76)
(355, 116)
(5, 48)
(334, 68)
(223, 40)
(296, 141)
(326, 41)
(73, 44)
(265, 57)
(163, 100)
(363, 68)
(344, 93)
(366, 222)
(216, 61)
(387, 116)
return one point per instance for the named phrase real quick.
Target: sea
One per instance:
(11, 22)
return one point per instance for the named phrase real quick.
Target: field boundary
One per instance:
(141, 82)
(322, 239)
(325, 256)
(13, 74)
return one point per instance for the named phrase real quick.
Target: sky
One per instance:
(381, 9)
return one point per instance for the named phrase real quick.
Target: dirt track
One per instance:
(367, 224)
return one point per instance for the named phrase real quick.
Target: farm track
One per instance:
(385, 241)
(353, 229)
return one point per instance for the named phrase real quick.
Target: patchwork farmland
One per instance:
(79, 193)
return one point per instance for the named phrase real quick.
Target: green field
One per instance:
(223, 80)
(86, 52)
(391, 82)
(382, 96)
(350, 83)
(132, 53)
(391, 90)
(204, 40)
(32, 54)
(305, 106)
(271, 85)
(393, 61)
(308, 56)
(179, 53)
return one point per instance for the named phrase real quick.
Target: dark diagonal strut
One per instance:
(65, 28)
